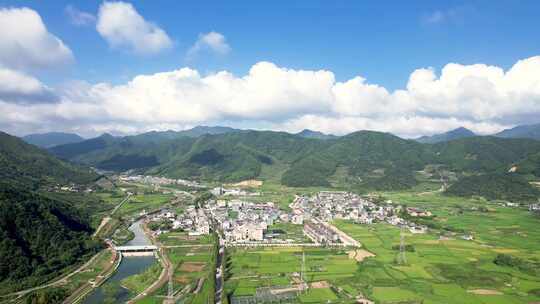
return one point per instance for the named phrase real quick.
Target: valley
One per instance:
(307, 228)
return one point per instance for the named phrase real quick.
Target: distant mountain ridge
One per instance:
(307, 133)
(51, 139)
(26, 164)
(523, 131)
(447, 136)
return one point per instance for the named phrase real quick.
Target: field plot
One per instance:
(148, 202)
(441, 270)
(193, 261)
(328, 271)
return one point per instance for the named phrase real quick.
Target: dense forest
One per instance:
(41, 233)
(40, 236)
(510, 187)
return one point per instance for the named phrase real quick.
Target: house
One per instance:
(416, 212)
(297, 219)
(418, 229)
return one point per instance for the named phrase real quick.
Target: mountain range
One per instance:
(371, 159)
(51, 139)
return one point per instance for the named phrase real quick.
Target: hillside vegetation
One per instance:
(372, 160)
(39, 237)
(511, 187)
(40, 233)
(30, 166)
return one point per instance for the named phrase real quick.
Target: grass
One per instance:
(319, 295)
(147, 202)
(139, 282)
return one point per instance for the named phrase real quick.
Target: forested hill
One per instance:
(39, 236)
(369, 159)
(29, 166)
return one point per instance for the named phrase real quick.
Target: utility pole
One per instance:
(402, 260)
(303, 270)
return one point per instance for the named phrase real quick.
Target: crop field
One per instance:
(148, 202)
(193, 263)
(249, 269)
(451, 270)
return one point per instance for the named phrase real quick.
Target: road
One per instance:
(219, 271)
(85, 289)
(106, 219)
(62, 280)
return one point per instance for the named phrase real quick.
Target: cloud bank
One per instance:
(481, 97)
(26, 43)
(123, 27)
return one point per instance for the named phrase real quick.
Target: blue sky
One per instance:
(381, 41)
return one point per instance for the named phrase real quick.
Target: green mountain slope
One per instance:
(39, 236)
(40, 233)
(371, 160)
(485, 154)
(510, 187)
(29, 165)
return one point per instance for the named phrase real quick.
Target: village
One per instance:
(242, 222)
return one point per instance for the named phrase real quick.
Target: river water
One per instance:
(111, 290)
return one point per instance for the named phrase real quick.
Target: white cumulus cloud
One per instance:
(212, 41)
(123, 27)
(26, 43)
(481, 97)
(18, 87)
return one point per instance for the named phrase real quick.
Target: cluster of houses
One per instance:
(220, 191)
(326, 206)
(157, 181)
(245, 222)
(242, 221)
(194, 221)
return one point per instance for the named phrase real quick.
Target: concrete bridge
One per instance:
(144, 248)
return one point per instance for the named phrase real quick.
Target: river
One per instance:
(130, 265)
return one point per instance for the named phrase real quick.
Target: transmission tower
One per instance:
(170, 292)
(402, 260)
(303, 270)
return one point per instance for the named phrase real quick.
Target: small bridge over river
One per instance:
(144, 248)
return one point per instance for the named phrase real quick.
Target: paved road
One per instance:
(59, 281)
(106, 219)
(219, 271)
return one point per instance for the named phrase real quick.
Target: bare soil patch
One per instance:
(192, 266)
(320, 284)
(360, 254)
(490, 292)
(182, 279)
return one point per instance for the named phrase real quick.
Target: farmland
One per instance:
(250, 269)
(193, 261)
(440, 267)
